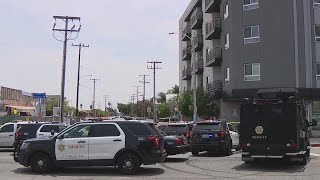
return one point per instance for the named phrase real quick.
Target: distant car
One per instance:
(25, 131)
(211, 136)
(179, 129)
(175, 144)
(7, 133)
(46, 130)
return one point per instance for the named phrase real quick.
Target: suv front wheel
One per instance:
(41, 163)
(128, 163)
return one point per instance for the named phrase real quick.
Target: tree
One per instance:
(162, 97)
(173, 90)
(164, 110)
(205, 106)
(185, 103)
(124, 108)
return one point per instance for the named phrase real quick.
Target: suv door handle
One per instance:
(81, 142)
(10, 135)
(117, 140)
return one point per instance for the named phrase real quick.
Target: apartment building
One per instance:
(234, 47)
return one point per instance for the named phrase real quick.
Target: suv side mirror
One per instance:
(313, 123)
(60, 136)
(52, 132)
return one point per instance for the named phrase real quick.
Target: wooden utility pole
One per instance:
(66, 31)
(154, 66)
(78, 80)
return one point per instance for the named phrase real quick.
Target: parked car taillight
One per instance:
(154, 140)
(222, 134)
(18, 134)
(179, 141)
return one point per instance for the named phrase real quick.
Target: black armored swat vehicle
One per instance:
(274, 125)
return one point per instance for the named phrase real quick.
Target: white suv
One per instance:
(49, 130)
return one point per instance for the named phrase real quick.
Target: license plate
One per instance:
(205, 136)
(170, 143)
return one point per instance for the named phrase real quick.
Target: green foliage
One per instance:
(124, 108)
(162, 97)
(185, 103)
(205, 106)
(173, 90)
(164, 110)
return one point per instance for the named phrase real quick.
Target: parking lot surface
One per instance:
(186, 166)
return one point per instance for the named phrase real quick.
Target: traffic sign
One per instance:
(39, 95)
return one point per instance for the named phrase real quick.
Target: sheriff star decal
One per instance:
(61, 147)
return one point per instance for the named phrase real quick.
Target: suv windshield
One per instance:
(208, 127)
(177, 128)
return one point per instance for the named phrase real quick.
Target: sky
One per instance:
(122, 34)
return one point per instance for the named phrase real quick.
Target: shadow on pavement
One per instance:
(92, 171)
(271, 166)
(175, 160)
(210, 154)
(6, 150)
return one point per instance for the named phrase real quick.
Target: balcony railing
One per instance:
(199, 66)
(196, 18)
(213, 57)
(186, 53)
(215, 88)
(213, 29)
(212, 6)
(186, 31)
(197, 43)
(186, 74)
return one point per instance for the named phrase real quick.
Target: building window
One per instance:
(252, 72)
(317, 33)
(226, 11)
(226, 41)
(227, 75)
(207, 79)
(250, 4)
(251, 34)
(317, 3)
(318, 71)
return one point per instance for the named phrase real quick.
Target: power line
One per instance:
(154, 66)
(66, 19)
(137, 92)
(78, 80)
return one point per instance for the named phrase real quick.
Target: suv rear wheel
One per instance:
(41, 163)
(128, 163)
(228, 151)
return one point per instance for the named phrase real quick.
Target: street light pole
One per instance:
(195, 108)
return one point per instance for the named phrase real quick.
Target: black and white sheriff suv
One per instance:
(123, 144)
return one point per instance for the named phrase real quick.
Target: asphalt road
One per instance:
(206, 166)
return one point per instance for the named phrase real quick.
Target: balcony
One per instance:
(213, 57)
(197, 43)
(199, 66)
(214, 89)
(186, 74)
(212, 6)
(186, 53)
(186, 31)
(196, 18)
(213, 29)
